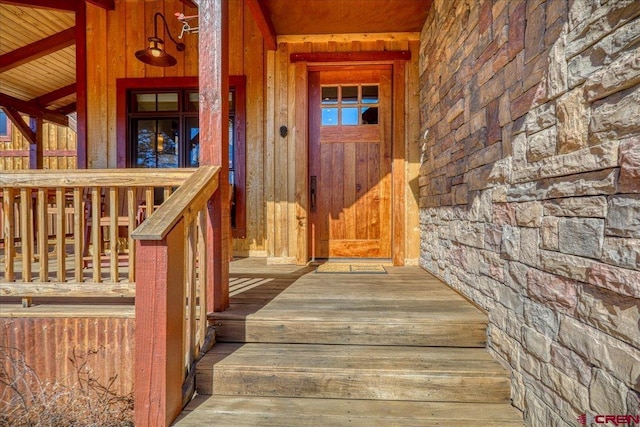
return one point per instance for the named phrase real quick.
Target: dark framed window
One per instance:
(5, 127)
(161, 130)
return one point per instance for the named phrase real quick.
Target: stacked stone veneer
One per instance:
(530, 191)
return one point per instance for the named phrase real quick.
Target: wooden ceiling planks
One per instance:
(24, 25)
(291, 17)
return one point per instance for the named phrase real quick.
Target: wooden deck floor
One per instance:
(298, 348)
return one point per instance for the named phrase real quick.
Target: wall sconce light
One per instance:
(155, 54)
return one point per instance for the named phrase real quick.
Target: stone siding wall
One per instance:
(530, 191)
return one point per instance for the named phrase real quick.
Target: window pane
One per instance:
(4, 125)
(350, 116)
(146, 102)
(193, 136)
(329, 117)
(330, 95)
(370, 115)
(232, 102)
(167, 102)
(145, 148)
(231, 144)
(350, 94)
(369, 94)
(193, 101)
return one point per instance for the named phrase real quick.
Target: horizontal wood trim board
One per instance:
(365, 133)
(94, 178)
(47, 153)
(393, 55)
(69, 290)
(348, 37)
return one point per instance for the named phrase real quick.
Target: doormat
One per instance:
(351, 268)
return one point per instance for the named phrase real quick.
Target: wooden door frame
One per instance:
(318, 62)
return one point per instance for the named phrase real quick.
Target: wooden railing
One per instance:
(173, 282)
(68, 233)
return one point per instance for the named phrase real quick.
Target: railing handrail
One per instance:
(95, 178)
(186, 200)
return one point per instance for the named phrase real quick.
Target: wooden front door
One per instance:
(350, 144)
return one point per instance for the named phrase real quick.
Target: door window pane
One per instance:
(330, 95)
(350, 116)
(145, 132)
(193, 141)
(350, 94)
(193, 101)
(370, 115)
(167, 143)
(329, 117)
(369, 94)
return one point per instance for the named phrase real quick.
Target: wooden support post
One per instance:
(214, 142)
(81, 85)
(36, 151)
(160, 315)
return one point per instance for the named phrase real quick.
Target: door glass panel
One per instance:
(193, 141)
(167, 143)
(329, 117)
(167, 102)
(369, 94)
(145, 102)
(330, 95)
(350, 116)
(369, 115)
(350, 94)
(193, 101)
(232, 159)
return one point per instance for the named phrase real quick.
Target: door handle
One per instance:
(312, 192)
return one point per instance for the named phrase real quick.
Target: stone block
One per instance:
(623, 216)
(541, 318)
(557, 72)
(611, 312)
(633, 402)
(571, 364)
(504, 345)
(549, 234)
(510, 248)
(529, 214)
(530, 364)
(517, 17)
(541, 144)
(534, 33)
(516, 276)
(581, 236)
(536, 344)
(530, 246)
(524, 192)
(568, 388)
(621, 74)
(540, 118)
(593, 207)
(553, 291)
(569, 266)
(616, 279)
(603, 351)
(622, 252)
(573, 122)
(492, 237)
(616, 116)
(607, 394)
(584, 184)
(629, 166)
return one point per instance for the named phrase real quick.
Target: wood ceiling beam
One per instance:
(71, 5)
(105, 4)
(264, 23)
(37, 49)
(68, 109)
(51, 97)
(33, 109)
(19, 123)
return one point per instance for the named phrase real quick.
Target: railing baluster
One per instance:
(202, 275)
(61, 231)
(113, 232)
(96, 233)
(133, 212)
(25, 227)
(149, 193)
(190, 284)
(78, 233)
(9, 231)
(43, 235)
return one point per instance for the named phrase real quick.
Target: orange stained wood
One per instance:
(350, 208)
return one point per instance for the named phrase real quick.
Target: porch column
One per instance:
(214, 141)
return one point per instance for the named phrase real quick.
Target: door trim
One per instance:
(398, 182)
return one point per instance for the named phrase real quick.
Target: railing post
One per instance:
(160, 315)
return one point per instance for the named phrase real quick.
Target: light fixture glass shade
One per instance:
(155, 54)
